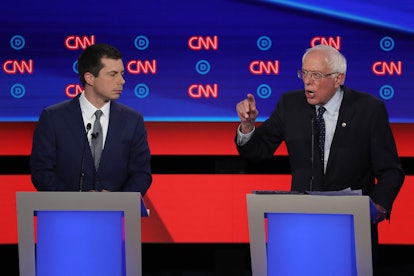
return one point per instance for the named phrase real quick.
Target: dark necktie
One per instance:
(320, 123)
(97, 139)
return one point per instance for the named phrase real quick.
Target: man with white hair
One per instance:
(357, 148)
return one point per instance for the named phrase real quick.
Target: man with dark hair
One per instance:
(92, 142)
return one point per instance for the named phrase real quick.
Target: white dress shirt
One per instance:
(88, 115)
(330, 116)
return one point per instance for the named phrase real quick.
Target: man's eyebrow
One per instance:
(115, 71)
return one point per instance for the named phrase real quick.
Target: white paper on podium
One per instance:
(344, 192)
(347, 192)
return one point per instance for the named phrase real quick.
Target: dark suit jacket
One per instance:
(362, 153)
(60, 151)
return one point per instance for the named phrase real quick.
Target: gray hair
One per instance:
(335, 60)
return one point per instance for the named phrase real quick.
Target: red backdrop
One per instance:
(206, 208)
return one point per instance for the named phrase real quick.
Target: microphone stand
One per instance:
(312, 152)
(82, 175)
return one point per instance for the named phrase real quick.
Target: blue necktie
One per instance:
(320, 123)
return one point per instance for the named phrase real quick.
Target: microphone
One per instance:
(82, 175)
(88, 127)
(94, 135)
(312, 178)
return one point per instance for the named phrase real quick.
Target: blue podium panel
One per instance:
(298, 234)
(81, 243)
(310, 244)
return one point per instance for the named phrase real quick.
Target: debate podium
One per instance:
(79, 233)
(301, 234)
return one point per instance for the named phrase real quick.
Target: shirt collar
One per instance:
(333, 104)
(89, 110)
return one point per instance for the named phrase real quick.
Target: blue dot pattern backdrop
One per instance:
(189, 61)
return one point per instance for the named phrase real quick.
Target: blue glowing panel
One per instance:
(81, 243)
(311, 244)
(383, 13)
(195, 60)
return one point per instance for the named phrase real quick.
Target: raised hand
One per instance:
(247, 112)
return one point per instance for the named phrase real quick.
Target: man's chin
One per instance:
(115, 97)
(312, 101)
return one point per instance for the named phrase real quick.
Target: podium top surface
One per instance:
(81, 201)
(306, 203)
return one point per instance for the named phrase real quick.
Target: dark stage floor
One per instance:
(217, 260)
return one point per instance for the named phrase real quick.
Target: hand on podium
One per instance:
(381, 214)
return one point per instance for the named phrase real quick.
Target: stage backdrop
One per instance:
(187, 64)
(193, 60)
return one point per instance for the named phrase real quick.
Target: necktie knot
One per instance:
(321, 110)
(98, 114)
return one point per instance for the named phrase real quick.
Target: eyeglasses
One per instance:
(315, 76)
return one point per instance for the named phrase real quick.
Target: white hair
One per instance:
(335, 60)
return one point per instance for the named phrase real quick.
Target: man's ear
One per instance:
(340, 79)
(89, 78)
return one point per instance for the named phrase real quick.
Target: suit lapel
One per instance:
(115, 126)
(346, 112)
(73, 121)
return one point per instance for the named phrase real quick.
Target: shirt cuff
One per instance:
(242, 138)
